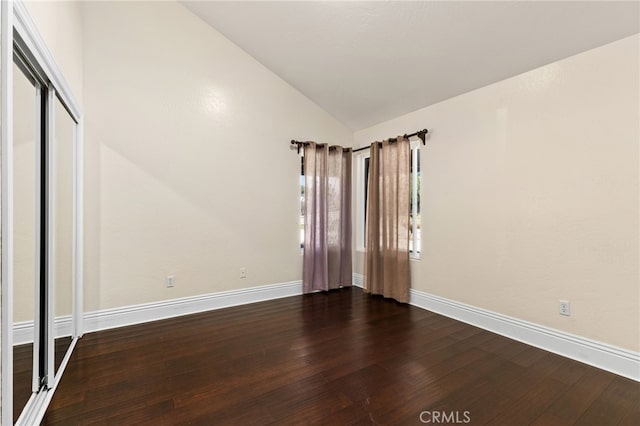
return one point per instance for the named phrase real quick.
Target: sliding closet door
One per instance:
(26, 192)
(62, 158)
(41, 178)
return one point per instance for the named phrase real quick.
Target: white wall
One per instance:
(60, 25)
(188, 166)
(530, 195)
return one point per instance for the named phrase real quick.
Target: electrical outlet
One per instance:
(170, 281)
(243, 272)
(565, 307)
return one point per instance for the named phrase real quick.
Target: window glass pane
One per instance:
(419, 216)
(366, 194)
(414, 206)
(301, 221)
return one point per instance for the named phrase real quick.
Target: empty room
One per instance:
(320, 212)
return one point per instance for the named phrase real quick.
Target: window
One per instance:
(414, 204)
(414, 201)
(301, 221)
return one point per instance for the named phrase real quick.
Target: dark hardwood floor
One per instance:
(23, 371)
(337, 358)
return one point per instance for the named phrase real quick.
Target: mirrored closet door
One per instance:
(44, 235)
(26, 268)
(63, 234)
(41, 220)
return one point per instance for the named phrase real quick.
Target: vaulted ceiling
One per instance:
(367, 62)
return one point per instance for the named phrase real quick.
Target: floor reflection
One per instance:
(22, 371)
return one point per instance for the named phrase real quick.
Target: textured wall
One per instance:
(60, 25)
(188, 166)
(530, 195)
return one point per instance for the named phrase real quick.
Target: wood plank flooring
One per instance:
(23, 371)
(338, 358)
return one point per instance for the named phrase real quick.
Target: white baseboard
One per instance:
(136, 314)
(601, 355)
(23, 330)
(358, 280)
(597, 354)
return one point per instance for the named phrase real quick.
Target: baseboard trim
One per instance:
(358, 280)
(23, 330)
(147, 312)
(597, 354)
(601, 355)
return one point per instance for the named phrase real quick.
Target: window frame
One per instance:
(415, 202)
(301, 219)
(361, 170)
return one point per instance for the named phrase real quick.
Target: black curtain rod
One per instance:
(422, 134)
(300, 143)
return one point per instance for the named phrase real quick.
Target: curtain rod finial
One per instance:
(422, 134)
(297, 143)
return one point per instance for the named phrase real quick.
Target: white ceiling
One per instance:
(367, 62)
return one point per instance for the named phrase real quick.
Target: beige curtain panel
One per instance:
(386, 269)
(327, 218)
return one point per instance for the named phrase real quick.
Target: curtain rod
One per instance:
(300, 143)
(422, 134)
